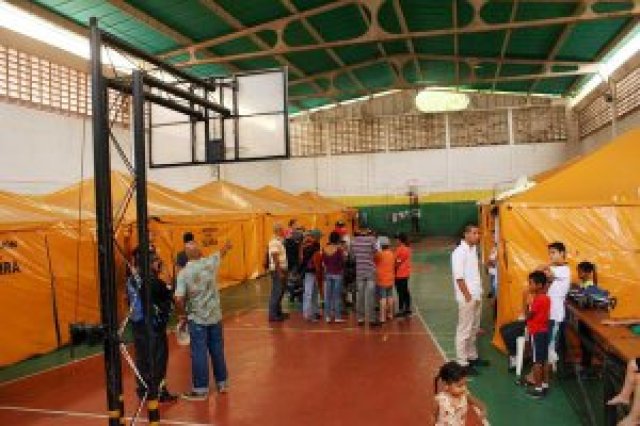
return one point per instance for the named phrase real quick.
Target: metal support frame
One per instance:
(143, 235)
(139, 86)
(104, 221)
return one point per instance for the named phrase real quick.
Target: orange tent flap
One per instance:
(609, 175)
(162, 201)
(22, 211)
(294, 203)
(26, 303)
(238, 197)
(326, 203)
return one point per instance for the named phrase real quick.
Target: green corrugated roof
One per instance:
(585, 41)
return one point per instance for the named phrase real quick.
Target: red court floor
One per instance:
(288, 374)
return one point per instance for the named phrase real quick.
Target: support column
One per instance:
(104, 222)
(139, 147)
(512, 142)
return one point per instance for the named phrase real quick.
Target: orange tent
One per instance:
(265, 212)
(47, 263)
(309, 213)
(593, 206)
(337, 211)
(171, 214)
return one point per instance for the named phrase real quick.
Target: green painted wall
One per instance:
(437, 219)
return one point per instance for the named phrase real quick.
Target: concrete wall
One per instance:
(41, 153)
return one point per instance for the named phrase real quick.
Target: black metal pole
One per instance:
(104, 222)
(143, 239)
(156, 99)
(187, 95)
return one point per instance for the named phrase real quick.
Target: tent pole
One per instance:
(104, 221)
(143, 239)
(54, 298)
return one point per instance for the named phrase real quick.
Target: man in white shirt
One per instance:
(278, 269)
(468, 288)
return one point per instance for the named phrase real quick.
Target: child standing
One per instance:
(385, 267)
(453, 402)
(538, 325)
(559, 275)
(403, 272)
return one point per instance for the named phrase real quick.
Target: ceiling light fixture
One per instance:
(22, 22)
(432, 101)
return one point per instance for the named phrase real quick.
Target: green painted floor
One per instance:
(507, 404)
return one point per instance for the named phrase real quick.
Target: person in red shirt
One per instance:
(403, 272)
(538, 326)
(385, 270)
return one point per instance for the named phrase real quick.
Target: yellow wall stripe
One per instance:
(439, 197)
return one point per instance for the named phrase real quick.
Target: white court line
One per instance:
(93, 415)
(431, 335)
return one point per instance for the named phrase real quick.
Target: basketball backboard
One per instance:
(256, 130)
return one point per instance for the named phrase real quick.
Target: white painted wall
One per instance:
(389, 173)
(41, 153)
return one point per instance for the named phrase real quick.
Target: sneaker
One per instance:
(339, 321)
(276, 319)
(194, 396)
(399, 314)
(167, 397)
(375, 324)
(479, 362)
(360, 323)
(223, 387)
(536, 393)
(512, 363)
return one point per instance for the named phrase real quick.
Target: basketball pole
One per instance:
(143, 239)
(104, 222)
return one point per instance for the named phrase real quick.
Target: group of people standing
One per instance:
(332, 269)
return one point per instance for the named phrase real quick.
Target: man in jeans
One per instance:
(364, 248)
(162, 305)
(468, 288)
(198, 301)
(278, 269)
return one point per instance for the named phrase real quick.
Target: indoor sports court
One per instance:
(320, 212)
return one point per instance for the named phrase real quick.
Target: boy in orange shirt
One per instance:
(385, 269)
(403, 272)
